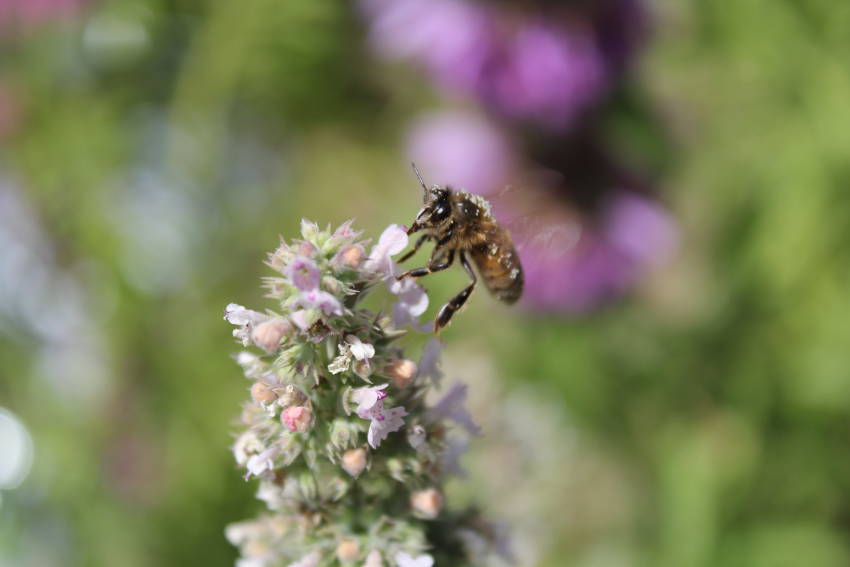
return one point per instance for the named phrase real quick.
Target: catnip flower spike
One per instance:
(348, 457)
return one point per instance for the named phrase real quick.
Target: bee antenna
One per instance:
(419, 177)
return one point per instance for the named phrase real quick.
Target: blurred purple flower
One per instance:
(453, 406)
(429, 364)
(450, 37)
(573, 265)
(462, 150)
(545, 73)
(33, 12)
(532, 67)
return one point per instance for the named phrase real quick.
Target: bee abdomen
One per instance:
(501, 271)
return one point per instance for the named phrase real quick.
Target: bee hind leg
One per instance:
(448, 310)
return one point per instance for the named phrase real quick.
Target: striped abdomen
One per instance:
(500, 268)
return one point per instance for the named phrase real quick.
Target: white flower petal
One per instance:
(403, 559)
(359, 349)
(379, 429)
(366, 398)
(311, 560)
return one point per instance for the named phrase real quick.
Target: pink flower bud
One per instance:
(297, 418)
(401, 371)
(263, 393)
(306, 249)
(267, 335)
(347, 550)
(354, 461)
(350, 256)
(427, 503)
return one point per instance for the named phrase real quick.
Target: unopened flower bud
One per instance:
(427, 503)
(401, 371)
(297, 418)
(350, 256)
(280, 257)
(362, 368)
(331, 284)
(306, 249)
(354, 461)
(396, 469)
(309, 229)
(291, 396)
(416, 436)
(347, 550)
(307, 487)
(267, 335)
(263, 393)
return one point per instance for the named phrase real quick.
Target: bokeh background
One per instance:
(673, 391)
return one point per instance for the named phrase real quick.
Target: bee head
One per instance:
(437, 206)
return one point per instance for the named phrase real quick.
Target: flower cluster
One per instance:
(350, 458)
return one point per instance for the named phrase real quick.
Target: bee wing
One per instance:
(537, 218)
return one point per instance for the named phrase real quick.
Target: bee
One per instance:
(462, 225)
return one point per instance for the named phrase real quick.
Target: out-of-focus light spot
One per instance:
(116, 37)
(16, 451)
(43, 301)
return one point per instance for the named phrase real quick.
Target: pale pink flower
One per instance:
(258, 464)
(344, 233)
(303, 319)
(412, 301)
(317, 299)
(384, 421)
(393, 240)
(368, 398)
(245, 319)
(304, 273)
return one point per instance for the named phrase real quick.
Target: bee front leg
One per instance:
(449, 309)
(422, 239)
(432, 267)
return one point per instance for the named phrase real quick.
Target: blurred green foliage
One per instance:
(161, 163)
